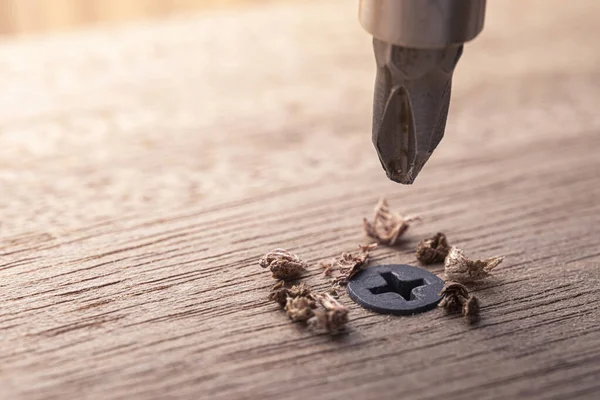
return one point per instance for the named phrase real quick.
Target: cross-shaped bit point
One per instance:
(395, 285)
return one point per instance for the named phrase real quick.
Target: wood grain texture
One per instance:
(145, 169)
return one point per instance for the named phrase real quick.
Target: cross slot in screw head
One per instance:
(393, 284)
(396, 289)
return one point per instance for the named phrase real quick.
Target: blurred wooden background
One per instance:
(24, 16)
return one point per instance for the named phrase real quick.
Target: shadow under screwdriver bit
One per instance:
(412, 96)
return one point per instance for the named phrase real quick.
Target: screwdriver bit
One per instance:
(417, 44)
(412, 96)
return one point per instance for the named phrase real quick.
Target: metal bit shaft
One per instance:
(412, 96)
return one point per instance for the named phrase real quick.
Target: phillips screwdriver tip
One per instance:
(412, 96)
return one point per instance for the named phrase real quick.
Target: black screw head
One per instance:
(396, 289)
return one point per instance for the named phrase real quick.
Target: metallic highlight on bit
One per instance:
(412, 96)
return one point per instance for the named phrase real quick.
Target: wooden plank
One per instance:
(144, 171)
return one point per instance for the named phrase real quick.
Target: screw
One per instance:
(396, 289)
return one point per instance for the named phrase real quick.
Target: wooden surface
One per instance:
(145, 169)
(26, 16)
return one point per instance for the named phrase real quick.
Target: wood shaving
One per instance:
(278, 285)
(331, 318)
(456, 298)
(283, 264)
(348, 264)
(280, 294)
(300, 309)
(433, 250)
(460, 269)
(322, 312)
(366, 248)
(454, 295)
(387, 227)
(470, 309)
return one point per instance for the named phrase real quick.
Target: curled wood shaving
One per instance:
(322, 312)
(456, 298)
(454, 295)
(470, 309)
(300, 308)
(387, 227)
(433, 250)
(280, 294)
(278, 285)
(366, 248)
(348, 264)
(460, 269)
(331, 318)
(283, 264)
